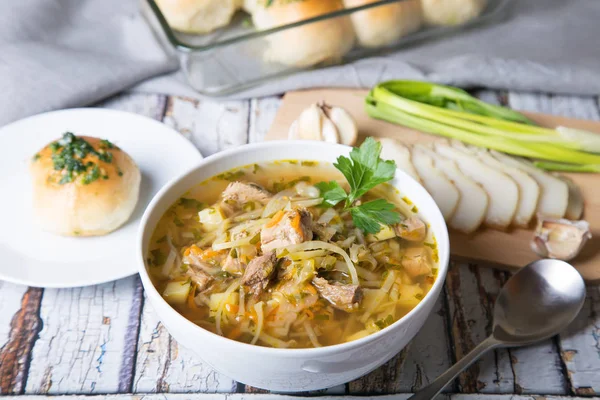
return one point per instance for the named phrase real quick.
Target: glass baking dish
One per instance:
(238, 56)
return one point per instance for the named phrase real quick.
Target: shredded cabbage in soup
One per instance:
(253, 255)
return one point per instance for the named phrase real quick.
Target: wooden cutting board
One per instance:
(498, 249)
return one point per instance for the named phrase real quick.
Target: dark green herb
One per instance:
(321, 317)
(279, 186)
(68, 154)
(105, 156)
(188, 281)
(177, 221)
(36, 157)
(105, 144)
(91, 176)
(197, 234)
(158, 257)
(191, 204)
(385, 322)
(162, 239)
(231, 175)
(308, 163)
(66, 178)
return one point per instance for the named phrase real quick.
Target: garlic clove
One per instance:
(309, 124)
(293, 133)
(325, 123)
(345, 124)
(560, 238)
(329, 131)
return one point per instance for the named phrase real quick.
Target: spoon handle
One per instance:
(431, 390)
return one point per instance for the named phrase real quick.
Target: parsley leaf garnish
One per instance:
(369, 216)
(331, 192)
(363, 170)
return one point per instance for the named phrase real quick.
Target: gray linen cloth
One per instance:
(66, 53)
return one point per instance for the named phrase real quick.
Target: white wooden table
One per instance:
(107, 340)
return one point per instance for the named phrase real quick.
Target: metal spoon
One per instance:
(536, 303)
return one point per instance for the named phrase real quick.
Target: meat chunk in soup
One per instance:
(233, 264)
(416, 262)
(242, 192)
(343, 297)
(286, 228)
(411, 229)
(259, 273)
(200, 278)
(323, 232)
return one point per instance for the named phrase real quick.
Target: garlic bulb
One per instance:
(325, 123)
(560, 238)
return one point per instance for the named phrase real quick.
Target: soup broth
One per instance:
(253, 255)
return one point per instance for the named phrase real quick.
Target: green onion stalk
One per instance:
(453, 113)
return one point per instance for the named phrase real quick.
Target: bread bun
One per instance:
(310, 44)
(451, 12)
(384, 25)
(197, 16)
(97, 197)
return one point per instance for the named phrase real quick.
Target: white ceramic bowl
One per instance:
(289, 369)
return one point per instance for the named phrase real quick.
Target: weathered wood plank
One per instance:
(82, 343)
(262, 114)
(212, 126)
(163, 365)
(127, 371)
(19, 327)
(429, 354)
(10, 304)
(150, 105)
(538, 369)
(425, 357)
(580, 347)
(248, 396)
(471, 294)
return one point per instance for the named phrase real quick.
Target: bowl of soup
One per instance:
(252, 262)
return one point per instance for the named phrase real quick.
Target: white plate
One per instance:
(32, 257)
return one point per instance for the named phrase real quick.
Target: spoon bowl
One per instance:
(538, 302)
